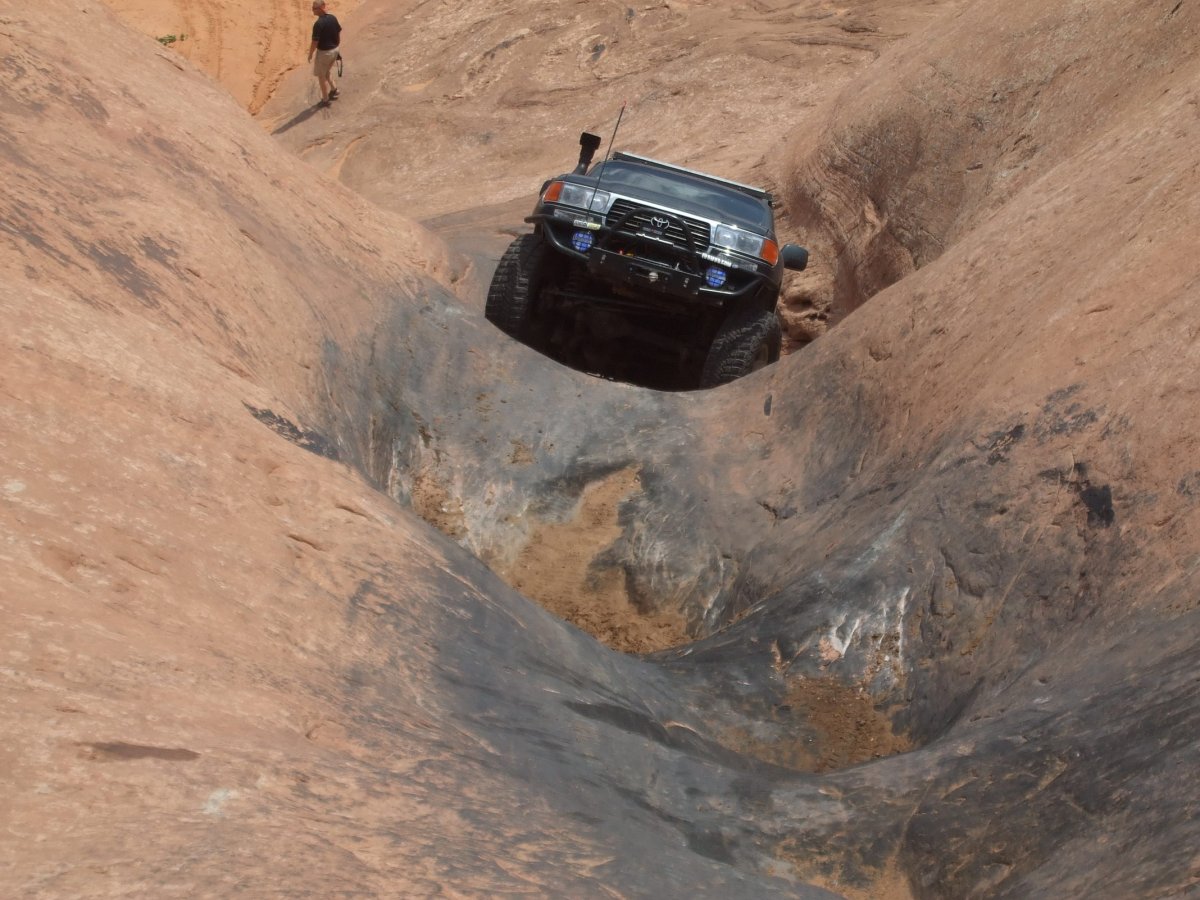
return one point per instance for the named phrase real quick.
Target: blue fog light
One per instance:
(582, 241)
(714, 277)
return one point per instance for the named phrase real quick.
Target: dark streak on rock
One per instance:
(503, 45)
(121, 750)
(779, 513)
(1096, 498)
(1098, 501)
(355, 604)
(1189, 485)
(998, 443)
(1062, 394)
(1073, 420)
(163, 255)
(18, 222)
(89, 107)
(123, 268)
(1060, 418)
(311, 441)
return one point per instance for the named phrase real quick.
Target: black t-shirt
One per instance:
(327, 32)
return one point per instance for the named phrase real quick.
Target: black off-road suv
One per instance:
(651, 264)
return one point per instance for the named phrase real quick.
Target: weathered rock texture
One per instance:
(235, 660)
(248, 47)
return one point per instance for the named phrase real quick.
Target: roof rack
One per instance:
(745, 188)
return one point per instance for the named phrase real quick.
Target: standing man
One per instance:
(326, 35)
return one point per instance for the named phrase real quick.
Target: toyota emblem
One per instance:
(660, 222)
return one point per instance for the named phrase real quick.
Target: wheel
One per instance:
(515, 285)
(748, 340)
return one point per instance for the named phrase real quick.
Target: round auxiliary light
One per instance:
(582, 241)
(714, 277)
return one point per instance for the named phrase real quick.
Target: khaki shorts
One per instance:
(323, 62)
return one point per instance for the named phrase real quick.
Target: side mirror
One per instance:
(794, 257)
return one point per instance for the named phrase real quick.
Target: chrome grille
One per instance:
(640, 221)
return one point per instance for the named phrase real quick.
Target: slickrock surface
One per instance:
(248, 47)
(940, 567)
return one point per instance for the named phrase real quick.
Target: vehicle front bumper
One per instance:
(682, 278)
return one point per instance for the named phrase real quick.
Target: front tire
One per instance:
(748, 340)
(515, 286)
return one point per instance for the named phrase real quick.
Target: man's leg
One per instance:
(334, 56)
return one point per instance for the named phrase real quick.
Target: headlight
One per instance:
(746, 242)
(578, 195)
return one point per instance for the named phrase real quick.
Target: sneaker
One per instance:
(323, 103)
(333, 95)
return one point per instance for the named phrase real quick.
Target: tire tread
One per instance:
(514, 285)
(737, 345)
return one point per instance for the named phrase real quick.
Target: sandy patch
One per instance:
(847, 729)
(555, 569)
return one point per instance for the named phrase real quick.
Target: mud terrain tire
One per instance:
(748, 340)
(514, 287)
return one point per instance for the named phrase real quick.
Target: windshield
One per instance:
(697, 195)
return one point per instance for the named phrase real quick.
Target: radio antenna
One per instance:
(620, 116)
(607, 154)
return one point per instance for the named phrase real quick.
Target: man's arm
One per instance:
(312, 48)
